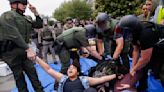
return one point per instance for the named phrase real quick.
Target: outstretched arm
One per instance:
(49, 70)
(95, 81)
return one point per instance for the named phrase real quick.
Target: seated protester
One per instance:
(148, 48)
(72, 82)
(68, 44)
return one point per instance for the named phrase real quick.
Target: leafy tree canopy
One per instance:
(75, 9)
(117, 8)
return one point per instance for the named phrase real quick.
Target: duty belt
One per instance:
(74, 49)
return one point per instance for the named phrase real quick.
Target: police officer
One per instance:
(47, 37)
(75, 37)
(18, 53)
(114, 44)
(57, 28)
(69, 23)
(148, 48)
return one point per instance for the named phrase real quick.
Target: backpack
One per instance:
(158, 28)
(107, 68)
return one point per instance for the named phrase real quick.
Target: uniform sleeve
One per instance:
(11, 32)
(81, 37)
(38, 23)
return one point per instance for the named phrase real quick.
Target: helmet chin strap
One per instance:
(18, 10)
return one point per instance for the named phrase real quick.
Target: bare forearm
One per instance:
(119, 47)
(49, 70)
(108, 78)
(144, 59)
(135, 56)
(94, 53)
(95, 81)
(117, 52)
(140, 64)
(44, 65)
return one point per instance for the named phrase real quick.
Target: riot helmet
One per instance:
(90, 31)
(101, 17)
(132, 25)
(19, 1)
(102, 21)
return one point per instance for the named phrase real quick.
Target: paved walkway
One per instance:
(7, 83)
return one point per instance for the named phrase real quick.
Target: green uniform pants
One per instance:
(65, 55)
(20, 65)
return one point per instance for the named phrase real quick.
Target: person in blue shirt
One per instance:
(73, 82)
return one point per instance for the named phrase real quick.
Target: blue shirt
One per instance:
(83, 79)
